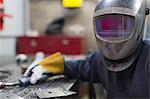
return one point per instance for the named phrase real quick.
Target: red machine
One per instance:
(2, 14)
(69, 45)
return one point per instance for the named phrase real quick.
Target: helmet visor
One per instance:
(114, 26)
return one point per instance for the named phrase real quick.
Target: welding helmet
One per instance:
(118, 27)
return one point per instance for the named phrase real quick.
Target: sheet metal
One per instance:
(10, 72)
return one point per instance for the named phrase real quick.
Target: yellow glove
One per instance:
(54, 63)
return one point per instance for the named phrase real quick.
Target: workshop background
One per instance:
(37, 18)
(30, 26)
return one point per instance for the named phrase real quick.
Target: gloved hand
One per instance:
(53, 64)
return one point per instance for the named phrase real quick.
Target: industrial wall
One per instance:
(45, 11)
(13, 27)
(147, 28)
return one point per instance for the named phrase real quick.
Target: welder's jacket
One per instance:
(133, 82)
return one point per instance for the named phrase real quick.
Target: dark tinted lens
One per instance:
(114, 25)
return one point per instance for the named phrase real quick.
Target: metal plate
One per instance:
(9, 96)
(53, 92)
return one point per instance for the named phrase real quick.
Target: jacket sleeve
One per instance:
(87, 70)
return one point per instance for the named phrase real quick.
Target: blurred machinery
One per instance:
(2, 15)
(68, 45)
(16, 26)
(72, 3)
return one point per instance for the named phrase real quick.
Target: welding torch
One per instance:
(25, 81)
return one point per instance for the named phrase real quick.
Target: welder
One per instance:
(121, 62)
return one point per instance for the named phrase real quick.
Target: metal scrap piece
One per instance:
(7, 95)
(53, 92)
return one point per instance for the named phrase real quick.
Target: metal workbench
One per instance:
(11, 72)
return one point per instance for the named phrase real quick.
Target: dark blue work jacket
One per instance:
(133, 82)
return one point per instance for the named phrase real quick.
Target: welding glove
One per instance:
(53, 64)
